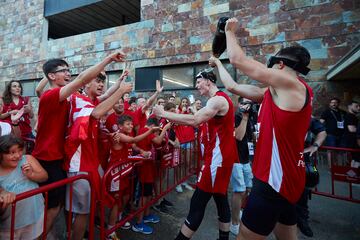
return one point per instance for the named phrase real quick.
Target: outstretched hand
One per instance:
(118, 56)
(124, 75)
(231, 25)
(126, 86)
(158, 110)
(213, 61)
(159, 88)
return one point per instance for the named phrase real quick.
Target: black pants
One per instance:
(302, 208)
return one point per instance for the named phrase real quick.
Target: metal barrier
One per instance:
(169, 174)
(341, 170)
(44, 190)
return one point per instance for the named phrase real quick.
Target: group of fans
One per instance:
(82, 129)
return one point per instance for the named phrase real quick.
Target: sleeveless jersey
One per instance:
(219, 151)
(278, 159)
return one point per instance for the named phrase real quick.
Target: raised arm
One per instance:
(89, 74)
(251, 92)
(41, 86)
(113, 88)
(251, 67)
(153, 97)
(101, 109)
(214, 106)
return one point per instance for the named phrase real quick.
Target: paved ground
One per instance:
(330, 219)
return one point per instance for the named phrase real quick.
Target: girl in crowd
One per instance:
(20, 173)
(13, 102)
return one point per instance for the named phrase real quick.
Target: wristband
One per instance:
(15, 124)
(316, 145)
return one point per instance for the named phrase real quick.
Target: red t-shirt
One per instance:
(24, 123)
(147, 170)
(133, 115)
(112, 122)
(141, 118)
(52, 121)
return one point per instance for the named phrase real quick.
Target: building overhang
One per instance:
(347, 68)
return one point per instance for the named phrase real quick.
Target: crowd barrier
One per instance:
(341, 171)
(44, 190)
(172, 168)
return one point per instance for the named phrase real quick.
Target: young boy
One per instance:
(147, 175)
(52, 121)
(81, 146)
(120, 187)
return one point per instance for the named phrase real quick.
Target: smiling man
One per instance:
(213, 181)
(52, 122)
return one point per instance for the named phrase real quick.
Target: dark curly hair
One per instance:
(7, 97)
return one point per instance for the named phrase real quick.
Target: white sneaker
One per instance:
(187, 186)
(127, 225)
(179, 188)
(240, 214)
(234, 229)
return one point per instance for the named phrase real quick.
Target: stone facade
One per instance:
(174, 32)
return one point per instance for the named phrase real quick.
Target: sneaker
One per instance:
(305, 228)
(234, 229)
(127, 225)
(167, 203)
(151, 218)
(142, 228)
(187, 186)
(112, 236)
(161, 208)
(179, 188)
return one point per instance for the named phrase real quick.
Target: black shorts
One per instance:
(56, 173)
(146, 189)
(265, 207)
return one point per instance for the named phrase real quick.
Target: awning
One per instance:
(347, 68)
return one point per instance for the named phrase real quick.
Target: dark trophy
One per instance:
(219, 41)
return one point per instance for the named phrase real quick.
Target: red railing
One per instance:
(44, 190)
(340, 170)
(188, 165)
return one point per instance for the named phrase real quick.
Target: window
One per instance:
(68, 18)
(178, 77)
(175, 77)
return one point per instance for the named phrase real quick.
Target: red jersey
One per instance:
(278, 158)
(219, 146)
(147, 170)
(141, 118)
(112, 122)
(51, 130)
(24, 123)
(185, 133)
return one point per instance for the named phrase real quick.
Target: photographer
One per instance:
(241, 177)
(314, 138)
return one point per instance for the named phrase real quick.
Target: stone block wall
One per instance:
(181, 31)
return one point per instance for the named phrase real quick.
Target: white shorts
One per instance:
(241, 177)
(81, 196)
(28, 232)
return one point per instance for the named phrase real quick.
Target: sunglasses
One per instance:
(64, 70)
(290, 63)
(206, 74)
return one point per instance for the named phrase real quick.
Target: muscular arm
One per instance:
(254, 69)
(214, 106)
(88, 75)
(251, 92)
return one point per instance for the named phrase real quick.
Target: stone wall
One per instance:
(173, 32)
